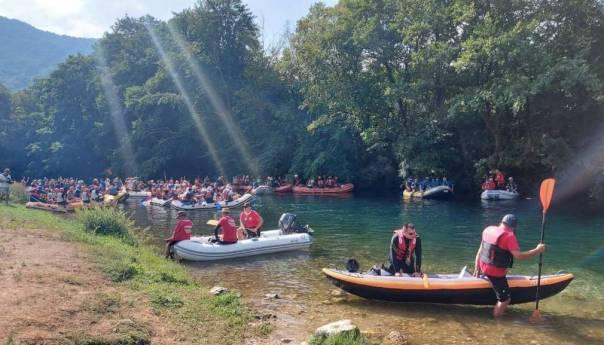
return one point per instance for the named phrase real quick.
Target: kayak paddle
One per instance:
(545, 194)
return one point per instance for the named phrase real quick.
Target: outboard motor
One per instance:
(287, 224)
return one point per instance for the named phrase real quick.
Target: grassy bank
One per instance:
(184, 303)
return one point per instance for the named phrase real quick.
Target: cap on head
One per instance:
(510, 220)
(182, 214)
(247, 204)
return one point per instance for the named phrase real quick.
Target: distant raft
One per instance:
(445, 288)
(54, 207)
(271, 241)
(109, 199)
(181, 205)
(345, 188)
(157, 202)
(286, 188)
(262, 189)
(139, 194)
(499, 195)
(438, 192)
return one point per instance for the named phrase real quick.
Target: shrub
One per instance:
(105, 221)
(18, 193)
(121, 270)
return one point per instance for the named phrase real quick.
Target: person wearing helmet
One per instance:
(498, 249)
(182, 231)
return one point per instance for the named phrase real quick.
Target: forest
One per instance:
(370, 91)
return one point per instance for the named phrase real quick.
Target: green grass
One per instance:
(171, 291)
(346, 338)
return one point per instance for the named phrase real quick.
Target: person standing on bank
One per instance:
(250, 222)
(5, 181)
(498, 249)
(406, 252)
(182, 231)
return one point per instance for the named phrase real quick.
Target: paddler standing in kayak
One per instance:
(496, 254)
(406, 252)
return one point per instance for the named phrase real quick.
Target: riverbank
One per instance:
(63, 285)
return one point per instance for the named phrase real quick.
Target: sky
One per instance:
(90, 18)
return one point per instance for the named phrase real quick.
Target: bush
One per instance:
(121, 270)
(18, 193)
(105, 221)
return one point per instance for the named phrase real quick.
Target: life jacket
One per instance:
(402, 252)
(491, 253)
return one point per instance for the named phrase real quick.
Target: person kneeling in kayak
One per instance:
(498, 249)
(182, 231)
(406, 252)
(250, 222)
(229, 228)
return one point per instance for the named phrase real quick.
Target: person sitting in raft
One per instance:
(229, 228)
(405, 252)
(250, 222)
(489, 184)
(182, 231)
(511, 186)
(497, 251)
(499, 179)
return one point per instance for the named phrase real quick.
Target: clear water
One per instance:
(360, 227)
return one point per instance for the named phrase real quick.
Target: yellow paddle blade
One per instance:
(425, 279)
(212, 222)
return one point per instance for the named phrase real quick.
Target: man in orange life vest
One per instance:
(496, 254)
(406, 251)
(182, 231)
(229, 228)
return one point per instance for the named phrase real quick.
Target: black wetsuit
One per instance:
(415, 260)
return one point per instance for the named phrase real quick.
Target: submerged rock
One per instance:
(217, 290)
(395, 338)
(271, 296)
(337, 293)
(336, 328)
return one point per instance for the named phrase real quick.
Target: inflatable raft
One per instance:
(345, 188)
(445, 288)
(180, 205)
(438, 192)
(139, 194)
(54, 207)
(271, 241)
(157, 202)
(499, 195)
(286, 188)
(262, 189)
(109, 199)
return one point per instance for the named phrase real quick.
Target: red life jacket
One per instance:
(491, 254)
(403, 252)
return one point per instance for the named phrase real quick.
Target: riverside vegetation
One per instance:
(172, 294)
(366, 90)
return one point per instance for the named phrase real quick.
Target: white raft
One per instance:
(271, 241)
(140, 194)
(179, 205)
(157, 202)
(498, 195)
(262, 189)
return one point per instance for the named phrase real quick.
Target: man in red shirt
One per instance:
(496, 254)
(229, 228)
(499, 179)
(489, 184)
(250, 222)
(182, 231)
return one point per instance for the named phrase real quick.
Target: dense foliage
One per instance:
(367, 90)
(27, 52)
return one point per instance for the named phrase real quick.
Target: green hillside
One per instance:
(27, 52)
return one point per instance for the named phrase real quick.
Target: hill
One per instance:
(27, 52)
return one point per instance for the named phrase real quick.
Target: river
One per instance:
(360, 227)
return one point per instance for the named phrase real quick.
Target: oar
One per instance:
(545, 194)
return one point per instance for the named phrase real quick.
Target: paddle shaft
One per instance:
(540, 261)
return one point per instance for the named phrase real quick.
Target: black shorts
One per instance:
(501, 288)
(250, 234)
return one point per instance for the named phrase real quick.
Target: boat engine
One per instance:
(287, 224)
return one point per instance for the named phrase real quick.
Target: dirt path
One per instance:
(51, 292)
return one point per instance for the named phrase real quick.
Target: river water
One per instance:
(360, 227)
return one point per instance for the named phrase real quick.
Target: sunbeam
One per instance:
(215, 101)
(195, 116)
(116, 112)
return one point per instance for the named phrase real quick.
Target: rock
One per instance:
(336, 293)
(217, 290)
(395, 338)
(326, 302)
(336, 328)
(271, 296)
(338, 299)
(286, 340)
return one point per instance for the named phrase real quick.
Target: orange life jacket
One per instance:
(491, 253)
(402, 252)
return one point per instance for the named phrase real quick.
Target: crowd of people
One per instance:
(496, 181)
(414, 184)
